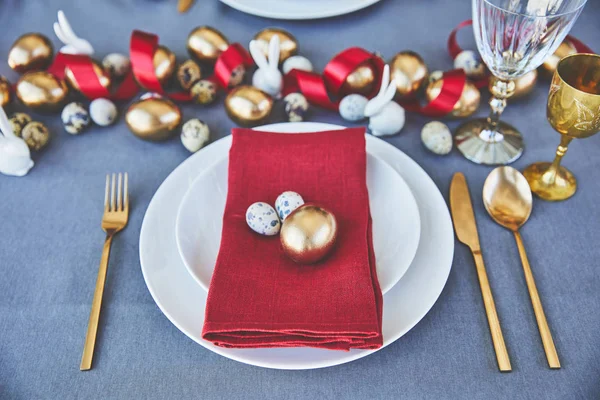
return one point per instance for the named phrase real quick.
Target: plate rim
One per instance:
(266, 13)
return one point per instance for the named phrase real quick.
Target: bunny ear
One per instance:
(59, 33)
(73, 43)
(5, 126)
(274, 51)
(258, 55)
(385, 79)
(390, 92)
(65, 26)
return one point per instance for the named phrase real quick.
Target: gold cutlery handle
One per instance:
(90, 337)
(492, 315)
(540, 317)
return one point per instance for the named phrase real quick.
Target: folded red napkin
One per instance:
(258, 297)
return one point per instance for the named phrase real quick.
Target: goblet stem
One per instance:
(501, 90)
(560, 152)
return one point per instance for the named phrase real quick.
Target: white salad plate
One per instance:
(396, 224)
(183, 300)
(298, 9)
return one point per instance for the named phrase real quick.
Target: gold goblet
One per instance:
(574, 111)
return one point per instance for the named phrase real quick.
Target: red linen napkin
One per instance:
(258, 297)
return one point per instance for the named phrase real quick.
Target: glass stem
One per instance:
(560, 152)
(501, 90)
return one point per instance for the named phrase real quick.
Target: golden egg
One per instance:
(361, 81)
(153, 118)
(164, 64)
(410, 72)
(206, 44)
(5, 95)
(248, 106)
(288, 45)
(523, 85)
(29, 52)
(308, 234)
(101, 73)
(465, 106)
(566, 48)
(188, 73)
(41, 91)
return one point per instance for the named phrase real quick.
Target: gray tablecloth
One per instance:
(51, 239)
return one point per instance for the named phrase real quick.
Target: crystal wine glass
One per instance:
(513, 37)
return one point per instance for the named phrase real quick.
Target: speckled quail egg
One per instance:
(103, 112)
(297, 62)
(75, 118)
(204, 92)
(263, 219)
(352, 107)
(287, 202)
(18, 121)
(436, 137)
(470, 63)
(194, 135)
(36, 135)
(116, 65)
(296, 107)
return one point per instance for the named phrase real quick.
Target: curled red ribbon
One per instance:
(230, 59)
(452, 87)
(317, 88)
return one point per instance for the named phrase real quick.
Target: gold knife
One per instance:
(184, 5)
(466, 231)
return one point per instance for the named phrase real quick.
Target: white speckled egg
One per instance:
(470, 63)
(287, 202)
(436, 137)
(75, 118)
(296, 107)
(116, 65)
(103, 112)
(297, 62)
(352, 107)
(263, 219)
(194, 134)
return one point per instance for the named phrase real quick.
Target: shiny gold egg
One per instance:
(41, 91)
(164, 64)
(410, 72)
(288, 45)
(188, 73)
(465, 106)
(206, 44)
(523, 85)
(308, 234)
(566, 48)
(101, 73)
(248, 106)
(153, 118)
(5, 94)
(29, 52)
(361, 81)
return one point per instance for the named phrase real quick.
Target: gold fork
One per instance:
(116, 212)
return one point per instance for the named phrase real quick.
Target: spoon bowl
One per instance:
(507, 197)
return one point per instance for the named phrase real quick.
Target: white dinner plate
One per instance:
(182, 300)
(298, 9)
(396, 224)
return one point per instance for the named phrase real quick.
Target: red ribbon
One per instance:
(579, 45)
(317, 88)
(452, 87)
(234, 56)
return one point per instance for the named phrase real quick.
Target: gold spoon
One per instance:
(507, 198)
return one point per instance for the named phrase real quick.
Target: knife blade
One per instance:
(184, 5)
(466, 231)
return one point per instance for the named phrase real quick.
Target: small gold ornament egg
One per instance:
(465, 106)
(36, 135)
(523, 85)
(248, 106)
(308, 234)
(566, 48)
(410, 72)
(153, 118)
(361, 81)
(206, 44)
(41, 91)
(31, 51)
(288, 45)
(188, 73)
(101, 73)
(5, 94)
(164, 64)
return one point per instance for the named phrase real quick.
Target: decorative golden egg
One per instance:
(465, 106)
(188, 73)
(523, 85)
(29, 52)
(248, 106)
(5, 95)
(410, 72)
(361, 81)
(566, 48)
(41, 91)
(206, 44)
(164, 64)
(101, 73)
(288, 45)
(153, 118)
(308, 234)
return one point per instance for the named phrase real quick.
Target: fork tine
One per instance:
(112, 194)
(126, 192)
(106, 191)
(120, 193)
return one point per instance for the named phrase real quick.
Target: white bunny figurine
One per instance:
(15, 158)
(267, 77)
(386, 117)
(72, 43)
